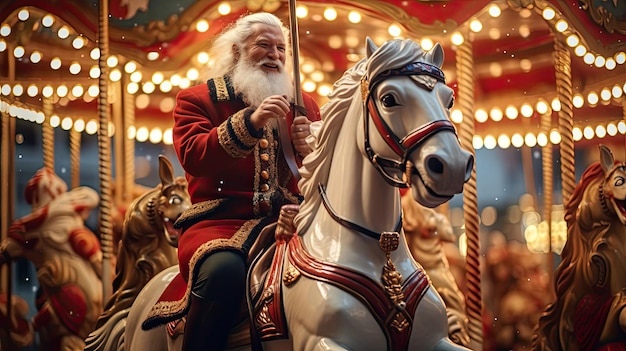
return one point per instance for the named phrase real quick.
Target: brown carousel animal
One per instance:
(67, 257)
(147, 246)
(590, 281)
(426, 231)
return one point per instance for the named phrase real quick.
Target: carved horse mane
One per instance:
(590, 260)
(148, 244)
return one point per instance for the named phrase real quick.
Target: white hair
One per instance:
(236, 34)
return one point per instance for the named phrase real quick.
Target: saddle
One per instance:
(264, 305)
(264, 278)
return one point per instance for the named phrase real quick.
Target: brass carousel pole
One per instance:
(75, 142)
(104, 147)
(129, 145)
(548, 186)
(465, 101)
(563, 70)
(118, 144)
(48, 134)
(7, 188)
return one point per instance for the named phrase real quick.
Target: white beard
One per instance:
(255, 85)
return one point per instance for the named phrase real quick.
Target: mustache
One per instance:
(276, 63)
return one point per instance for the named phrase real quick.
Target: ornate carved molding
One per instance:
(603, 16)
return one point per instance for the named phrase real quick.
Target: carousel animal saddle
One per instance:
(264, 303)
(265, 292)
(269, 272)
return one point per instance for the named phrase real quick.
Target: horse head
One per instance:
(590, 280)
(151, 216)
(173, 200)
(407, 135)
(613, 189)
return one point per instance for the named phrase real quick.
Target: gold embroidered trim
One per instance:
(221, 89)
(238, 123)
(165, 309)
(231, 144)
(198, 211)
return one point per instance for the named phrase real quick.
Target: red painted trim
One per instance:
(383, 130)
(365, 289)
(418, 135)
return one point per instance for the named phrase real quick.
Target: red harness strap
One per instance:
(368, 291)
(270, 319)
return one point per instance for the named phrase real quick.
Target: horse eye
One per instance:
(389, 101)
(619, 181)
(175, 200)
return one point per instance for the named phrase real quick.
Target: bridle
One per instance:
(401, 147)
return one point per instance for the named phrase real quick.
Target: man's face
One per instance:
(265, 48)
(260, 71)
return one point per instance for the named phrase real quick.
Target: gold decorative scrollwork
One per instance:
(392, 279)
(604, 17)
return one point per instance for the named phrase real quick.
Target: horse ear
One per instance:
(166, 170)
(436, 55)
(370, 46)
(606, 158)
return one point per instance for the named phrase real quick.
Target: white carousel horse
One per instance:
(147, 246)
(590, 282)
(67, 257)
(347, 280)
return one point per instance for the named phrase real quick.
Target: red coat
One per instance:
(238, 179)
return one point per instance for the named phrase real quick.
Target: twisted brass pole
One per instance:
(104, 147)
(48, 134)
(129, 145)
(465, 101)
(75, 157)
(563, 71)
(118, 143)
(548, 186)
(7, 192)
(7, 189)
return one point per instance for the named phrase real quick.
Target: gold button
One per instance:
(264, 143)
(265, 175)
(265, 157)
(265, 187)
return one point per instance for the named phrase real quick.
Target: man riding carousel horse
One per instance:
(228, 143)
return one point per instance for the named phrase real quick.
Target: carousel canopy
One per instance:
(49, 51)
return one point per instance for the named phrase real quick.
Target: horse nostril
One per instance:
(435, 165)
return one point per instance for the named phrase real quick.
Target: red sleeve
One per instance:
(194, 135)
(196, 132)
(312, 110)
